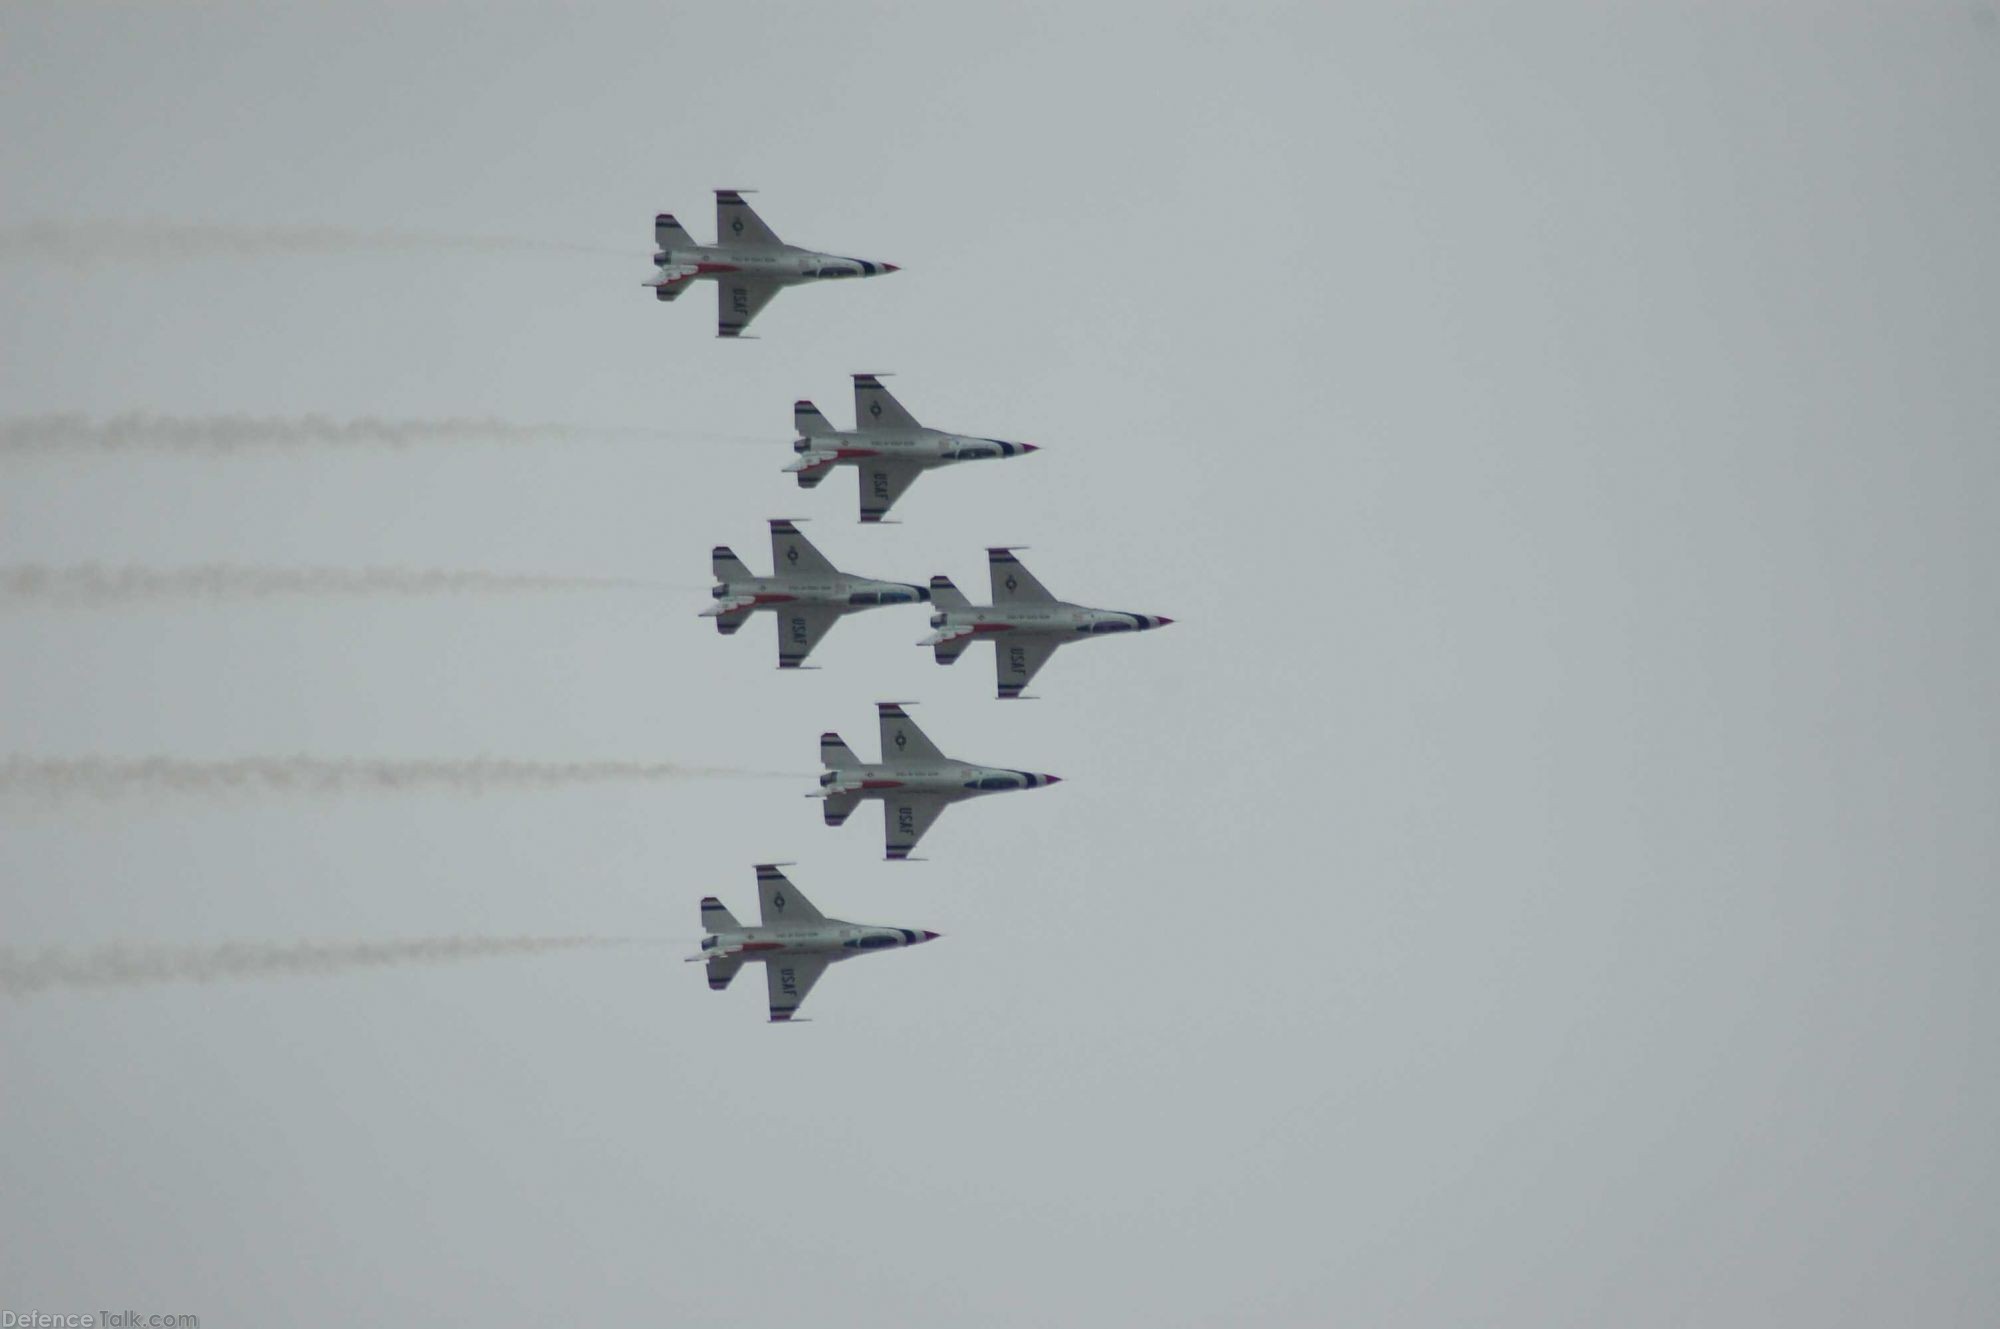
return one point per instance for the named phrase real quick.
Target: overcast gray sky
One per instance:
(1544, 877)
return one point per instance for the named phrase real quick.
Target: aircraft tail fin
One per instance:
(670, 234)
(946, 596)
(728, 568)
(834, 754)
(808, 421)
(716, 917)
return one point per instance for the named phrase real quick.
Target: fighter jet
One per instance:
(914, 780)
(887, 447)
(1025, 623)
(748, 263)
(795, 943)
(806, 592)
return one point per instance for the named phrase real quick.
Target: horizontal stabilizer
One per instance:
(834, 754)
(669, 234)
(948, 646)
(839, 807)
(946, 595)
(726, 566)
(807, 419)
(716, 917)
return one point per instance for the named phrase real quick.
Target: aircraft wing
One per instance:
(1012, 583)
(901, 739)
(799, 629)
(790, 978)
(792, 553)
(874, 408)
(882, 483)
(738, 300)
(781, 901)
(736, 224)
(904, 821)
(1017, 661)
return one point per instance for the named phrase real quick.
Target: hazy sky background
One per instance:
(1544, 877)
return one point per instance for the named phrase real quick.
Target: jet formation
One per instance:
(748, 263)
(806, 594)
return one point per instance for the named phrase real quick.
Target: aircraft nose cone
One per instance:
(1051, 779)
(890, 267)
(931, 936)
(1031, 447)
(1161, 622)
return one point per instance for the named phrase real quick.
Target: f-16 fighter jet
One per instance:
(796, 942)
(806, 592)
(914, 780)
(748, 262)
(887, 447)
(1025, 623)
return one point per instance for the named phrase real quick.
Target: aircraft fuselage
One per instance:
(781, 265)
(948, 781)
(1043, 618)
(842, 594)
(831, 938)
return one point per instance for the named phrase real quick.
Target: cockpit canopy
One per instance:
(901, 595)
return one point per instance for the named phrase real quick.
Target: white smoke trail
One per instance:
(141, 431)
(92, 585)
(92, 243)
(26, 973)
(118, 777)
